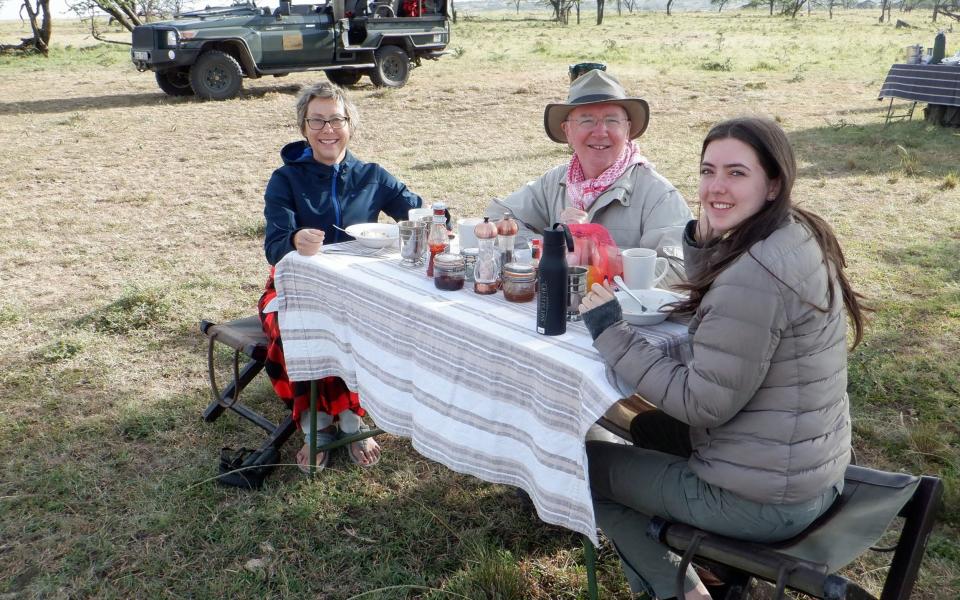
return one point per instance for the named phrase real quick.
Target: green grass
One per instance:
(133, 215)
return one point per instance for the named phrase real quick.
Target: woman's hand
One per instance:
(599, 294)
(573, 215)
(308, 241)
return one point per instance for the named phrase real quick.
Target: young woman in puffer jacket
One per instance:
(752, 436)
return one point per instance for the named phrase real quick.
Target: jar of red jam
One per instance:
(519, 282)
(448, 271)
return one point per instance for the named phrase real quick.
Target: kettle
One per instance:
(552, 280)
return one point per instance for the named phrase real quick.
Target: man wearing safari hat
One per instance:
(607, 180)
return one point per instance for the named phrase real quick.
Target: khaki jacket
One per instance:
(765, 393)
(641, 210)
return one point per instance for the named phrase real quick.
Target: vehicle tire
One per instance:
(216, 76)
(344, 77)
(175, 82)
(392, 67)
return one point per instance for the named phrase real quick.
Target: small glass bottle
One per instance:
(469, 261)
(519, 282)
(507, 230)
(437, 236)
(448, 272)
(486, 272)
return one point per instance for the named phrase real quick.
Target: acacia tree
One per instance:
(719, 4)
(125, 12)
(669, 4)
(38, 15)
(600, 12)
(561, 9)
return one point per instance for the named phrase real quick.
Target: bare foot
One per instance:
(365, 453)
(303, 459)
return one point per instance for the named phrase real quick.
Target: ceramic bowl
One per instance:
(375, 235)
(652, 299)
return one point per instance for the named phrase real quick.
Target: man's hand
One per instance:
(308, 241)
(573, 215)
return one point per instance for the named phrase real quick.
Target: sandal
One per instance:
(324, 438)
(352, 445)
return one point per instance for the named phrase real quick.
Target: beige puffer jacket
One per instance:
(765, 393)
(641, 209)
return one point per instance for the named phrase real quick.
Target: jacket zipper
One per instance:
(336, 203)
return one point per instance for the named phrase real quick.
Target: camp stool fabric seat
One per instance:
(808, 563)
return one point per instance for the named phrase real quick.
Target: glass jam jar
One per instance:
(469, 261)
(448, 271)
(519, 282)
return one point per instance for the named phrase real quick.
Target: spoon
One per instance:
(337, 227)
(623, 286)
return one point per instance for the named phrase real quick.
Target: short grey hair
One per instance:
(325, 89)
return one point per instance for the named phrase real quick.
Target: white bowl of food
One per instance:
(375, 235)
(653, 300)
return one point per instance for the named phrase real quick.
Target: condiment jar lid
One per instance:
(485, 230)
(470, 251)
(518, 270)
(448, 260)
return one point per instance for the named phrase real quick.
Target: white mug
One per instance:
(416, 213)
(465, 229)
(640, 267)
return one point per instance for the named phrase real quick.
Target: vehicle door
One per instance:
(297, 40)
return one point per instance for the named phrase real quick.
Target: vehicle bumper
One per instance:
(162, 58)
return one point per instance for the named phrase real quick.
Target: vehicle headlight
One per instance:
(171, 39)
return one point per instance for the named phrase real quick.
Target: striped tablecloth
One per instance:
(465, 377)
(933, 84)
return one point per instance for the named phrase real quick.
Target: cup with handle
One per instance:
(642, 268)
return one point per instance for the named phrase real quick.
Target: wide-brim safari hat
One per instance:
(596, 87)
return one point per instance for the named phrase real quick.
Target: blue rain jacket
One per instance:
(304, 193)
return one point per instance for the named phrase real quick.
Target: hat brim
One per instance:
(555, 114)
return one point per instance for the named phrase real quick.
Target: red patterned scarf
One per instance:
(581, 192)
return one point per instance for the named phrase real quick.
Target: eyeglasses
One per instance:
(317, 124)
(591, 123)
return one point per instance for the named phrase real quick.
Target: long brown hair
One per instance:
(775, 155)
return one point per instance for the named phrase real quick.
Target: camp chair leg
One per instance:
(919, 515)
(223, 400)
(313, 427)
(590, 557)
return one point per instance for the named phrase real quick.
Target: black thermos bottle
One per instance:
(552, 279)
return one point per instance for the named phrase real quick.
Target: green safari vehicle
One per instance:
(208, 52)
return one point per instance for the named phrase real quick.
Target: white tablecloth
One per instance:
(465, 377)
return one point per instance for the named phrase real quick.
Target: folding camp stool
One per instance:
(246, 337)
(249, 343)
(808, 562)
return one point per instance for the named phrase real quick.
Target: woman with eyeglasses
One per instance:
(751, 438)
(322, 185)
(607, 180)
